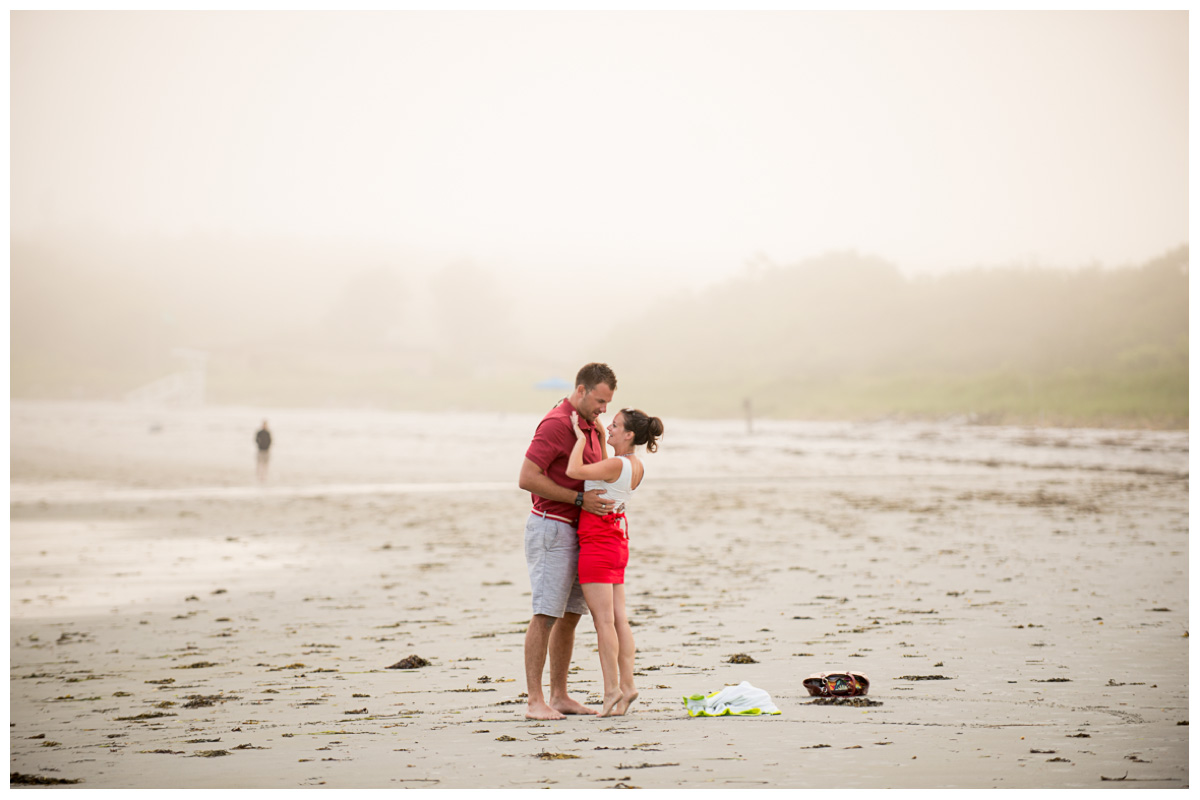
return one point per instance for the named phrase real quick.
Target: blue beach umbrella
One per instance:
(553, 384)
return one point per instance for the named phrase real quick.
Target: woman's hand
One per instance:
(575, 424)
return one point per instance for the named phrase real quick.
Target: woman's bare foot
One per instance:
(610, 701)
(539, 710)
(624, 702)
(569, 706)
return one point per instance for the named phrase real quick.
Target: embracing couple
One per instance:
(577, 540)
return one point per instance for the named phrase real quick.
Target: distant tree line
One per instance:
(842, 335)
(798, 338)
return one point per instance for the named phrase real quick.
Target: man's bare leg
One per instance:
(537, 637)
(562, 644)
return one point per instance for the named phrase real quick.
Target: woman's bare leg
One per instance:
(625, 651)
(599, 597)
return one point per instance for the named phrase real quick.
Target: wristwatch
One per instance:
(579, 499)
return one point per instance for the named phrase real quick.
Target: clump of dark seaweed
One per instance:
(844, 701)
(412, 662)
(148, 715)
(38, 780)
(206, 700)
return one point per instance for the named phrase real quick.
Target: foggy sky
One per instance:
(652, 144)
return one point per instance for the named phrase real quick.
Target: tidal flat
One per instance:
(1018, 598)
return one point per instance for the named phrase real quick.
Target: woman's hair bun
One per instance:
(646, 429)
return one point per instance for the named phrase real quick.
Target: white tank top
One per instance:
(620, 490)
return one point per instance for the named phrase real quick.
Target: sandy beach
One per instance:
(1018, 598)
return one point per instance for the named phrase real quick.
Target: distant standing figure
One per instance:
(263, 440)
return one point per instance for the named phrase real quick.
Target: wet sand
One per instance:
(1019, 600)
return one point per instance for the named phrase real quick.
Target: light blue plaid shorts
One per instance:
(552, 556)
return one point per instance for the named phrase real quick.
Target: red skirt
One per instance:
(603, 548)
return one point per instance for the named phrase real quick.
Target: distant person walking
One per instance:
(551, 543)
(263, 440)
(604, 547)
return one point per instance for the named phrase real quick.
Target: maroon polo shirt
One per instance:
(550, 450)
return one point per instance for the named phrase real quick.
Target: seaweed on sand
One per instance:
(412, 662)
(38, 780)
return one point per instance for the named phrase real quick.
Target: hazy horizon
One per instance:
(389, 206)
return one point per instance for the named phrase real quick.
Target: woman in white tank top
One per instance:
(604, 547)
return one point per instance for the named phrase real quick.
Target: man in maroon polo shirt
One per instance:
(551, 540)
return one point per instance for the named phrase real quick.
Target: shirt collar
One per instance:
(583, 423)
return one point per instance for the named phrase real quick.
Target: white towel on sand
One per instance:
(741, 699)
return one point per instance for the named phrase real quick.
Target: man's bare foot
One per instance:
(539, 710)
(610, 702)
(625, 701)
(568, 706)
